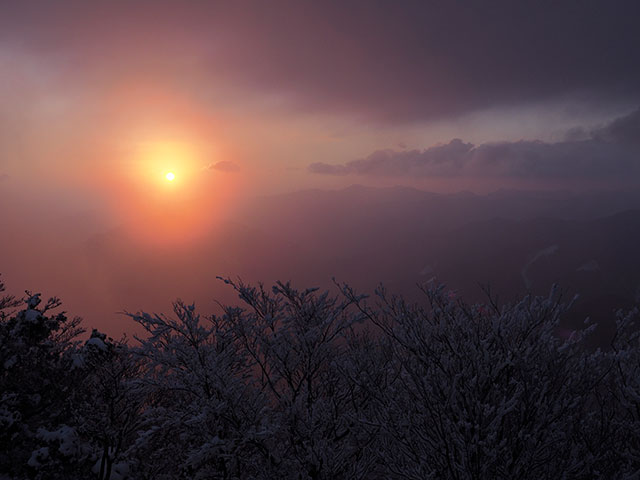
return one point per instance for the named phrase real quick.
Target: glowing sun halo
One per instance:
(170, 176)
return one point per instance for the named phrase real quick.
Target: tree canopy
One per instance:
(303, 384)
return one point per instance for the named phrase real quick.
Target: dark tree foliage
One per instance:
(305, 385)
(36, 379)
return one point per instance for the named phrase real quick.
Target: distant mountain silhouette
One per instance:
(513, 241)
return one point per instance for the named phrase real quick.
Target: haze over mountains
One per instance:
(513, 241)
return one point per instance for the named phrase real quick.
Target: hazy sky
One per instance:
(99, 100)
(89, 89)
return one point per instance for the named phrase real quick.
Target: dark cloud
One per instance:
(389, 61)
(224, 166)
(440, 160)
(577, 133)
(611, 152)
(624, 130)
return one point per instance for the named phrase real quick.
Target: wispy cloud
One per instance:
(224, 166)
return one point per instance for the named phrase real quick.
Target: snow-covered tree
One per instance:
(299, 384)
(618, 405)
(483, 391)
(299, 343)
(108, 405)
(36, 354)
(204, 417)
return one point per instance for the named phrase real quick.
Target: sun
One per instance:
(170, 176)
